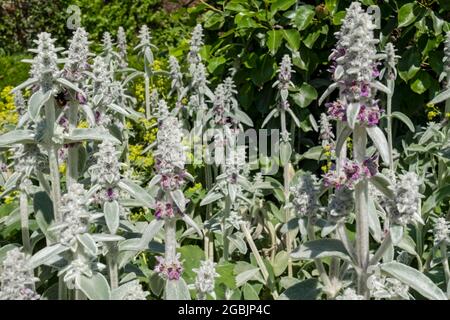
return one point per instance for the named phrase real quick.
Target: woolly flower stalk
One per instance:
(144, 36)
(351, 173)
(135, 291)
(354, 67)
(106, 172)
(16, 277)
(170, 153)
(107, 42)
(19, 103)
(75, 215)
(305, 195)
(382, 287)
(199, 80)
(101, 77)
(122, 45)
(326, 131)
(391, 61)
(44, 67)
(349, 294)
(175, 73)
(77, 56)
(285, 73)
(340, 204)
(405, 207)
(195, 45)
(441, 231)
(204, 281)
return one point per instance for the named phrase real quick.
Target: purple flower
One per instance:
(170, 270)
(336, 110)
(81, 98)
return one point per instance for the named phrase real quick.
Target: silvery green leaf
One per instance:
(238, 242)
(338, 72)
(269, 116)
(280, 263)
(132, 76)
(294, 117)
(443, 96)
(328, 228)
(88, 243)
(396, 233)
(379, 140)
(245, 276)
(352, 114)
(190, 222)
(104, 237)
(137, 192)
(313, 122)
(285, 152)
(155, 180)
(37, 100)
(388, 254)
(89, 134)
(178, 197)
(134, 244)
(379, 86)
(232, 191)
(95, 287)
(176, 290)
(342, 138)
(87, 110)
(25, 84)
(212, 196)
(323, 248)
(69, 85)
(407, 243)
(241, 116)
(415, 279)
(97, 98)
(150, 232)
(16, 136)
(43, 211)
(383, 184)
(327, 92)
(111, 210)
(374, 221)
(118, 109)
(148, 56)
(308, 289)
(46, 254)
(405, 119)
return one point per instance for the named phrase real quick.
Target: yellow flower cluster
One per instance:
(432, 111)
(8, 114)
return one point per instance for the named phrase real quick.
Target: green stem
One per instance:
(443, 247)
(287, 213)
(387, 242)
(391, 86)
(147, 96)
(361, 205)
(72, 158)
(319, 265)
(24, 222)
(53, 158)
(226, 241)
(258, 258)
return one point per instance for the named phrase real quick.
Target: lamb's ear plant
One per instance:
(17, 281)
(170, 203)
(445, 94)
(122, 47)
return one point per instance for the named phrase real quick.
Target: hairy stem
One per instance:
(361, 205)
(443, 247)
(226, 241)
(287, 213)
(72, 157)
(147, 96)
(24, 222)
(258, 257)
(391, 85)
(113, 269)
